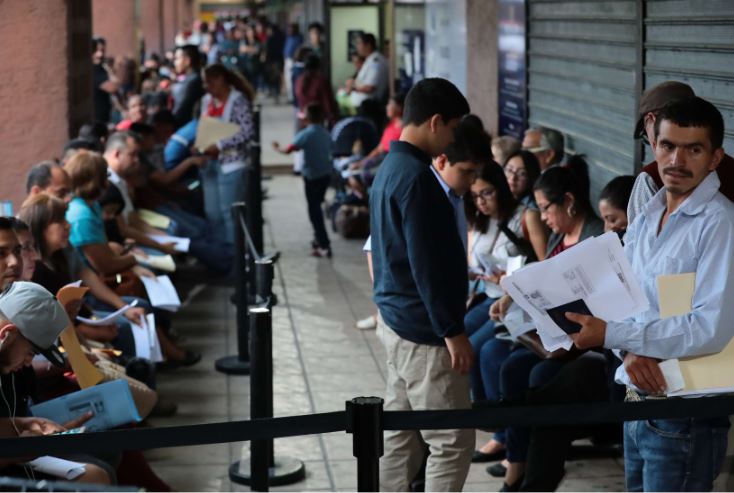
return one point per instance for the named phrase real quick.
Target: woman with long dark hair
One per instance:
(498, 232)
(562, 195)
(229, 98)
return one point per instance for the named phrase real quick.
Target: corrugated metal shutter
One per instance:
(693, 41)
(582, 59)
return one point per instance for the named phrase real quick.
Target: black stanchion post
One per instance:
(264, 274)
(263, 469)
(364, 421)
(240, 363)
(256, 211)
(256, 113)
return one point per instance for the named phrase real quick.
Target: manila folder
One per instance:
(211, 130)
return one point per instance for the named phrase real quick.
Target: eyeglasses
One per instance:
(520, 174)
(544, 208)
(485, 194)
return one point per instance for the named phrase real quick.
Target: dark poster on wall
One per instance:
(512, 77)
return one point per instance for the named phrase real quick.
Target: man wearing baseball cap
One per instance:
(31, 320)
(648, 181)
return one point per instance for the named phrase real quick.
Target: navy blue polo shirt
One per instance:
(419, 261)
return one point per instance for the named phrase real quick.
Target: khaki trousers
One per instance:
(419, 377)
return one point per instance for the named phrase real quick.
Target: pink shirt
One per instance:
(390, 134)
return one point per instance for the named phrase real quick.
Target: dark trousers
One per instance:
(315, 193)
(581, 380)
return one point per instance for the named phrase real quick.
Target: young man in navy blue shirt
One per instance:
(420, 285)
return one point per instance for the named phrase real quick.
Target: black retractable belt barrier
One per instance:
(18, 484)
(364, 421)
(263, 469)
(240, 363)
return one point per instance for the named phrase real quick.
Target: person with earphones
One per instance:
(31, 319)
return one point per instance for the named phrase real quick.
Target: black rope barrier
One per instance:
(313, 424)
(175, 436)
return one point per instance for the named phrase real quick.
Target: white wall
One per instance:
(446, 41)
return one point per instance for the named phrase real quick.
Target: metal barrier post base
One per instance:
(232, 365)
(286, 470)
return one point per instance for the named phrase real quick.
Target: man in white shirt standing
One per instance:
(687, 227)
(373, 79)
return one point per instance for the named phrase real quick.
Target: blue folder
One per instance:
(111, 402)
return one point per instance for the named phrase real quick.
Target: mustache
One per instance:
(678, 170)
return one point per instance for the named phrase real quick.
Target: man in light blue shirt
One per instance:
(687, 227)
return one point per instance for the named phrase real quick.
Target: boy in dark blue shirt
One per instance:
(420, 288)
(315, 141)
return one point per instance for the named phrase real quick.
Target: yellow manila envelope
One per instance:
(87, 375)
(675, 294)
(700, 374)
(212, 130)
(154, 219)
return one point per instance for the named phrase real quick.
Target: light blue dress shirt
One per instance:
(698, 237)
(458, 204)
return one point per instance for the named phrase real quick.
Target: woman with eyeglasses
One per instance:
(499, 230)
(522, 170)
(562, 195)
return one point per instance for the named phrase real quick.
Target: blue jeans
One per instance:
(492, 354)
(674, 454)
(480, 329)
(220, 191)
(521, 371)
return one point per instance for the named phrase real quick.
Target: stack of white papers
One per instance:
(61, 468)
(164, 263)
(161, 293)
(180, 244)
(147, 344)
(592, 277)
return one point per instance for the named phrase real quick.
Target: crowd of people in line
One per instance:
(442, 201)
(450, 208)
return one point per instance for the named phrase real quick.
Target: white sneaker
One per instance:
(368, 323)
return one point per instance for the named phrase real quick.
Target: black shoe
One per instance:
(479, 456)
(497, 470)
(512, 487)
(189, 359)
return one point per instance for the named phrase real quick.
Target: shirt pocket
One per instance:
(678, 265)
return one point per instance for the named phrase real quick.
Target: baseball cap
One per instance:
(37, 314)
(656, 97)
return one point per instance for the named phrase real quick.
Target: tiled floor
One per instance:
(320, 361)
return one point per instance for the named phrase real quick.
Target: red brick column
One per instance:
(115, 21)
(151, 25)
(37, 38)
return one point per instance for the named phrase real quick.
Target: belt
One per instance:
(634, 396)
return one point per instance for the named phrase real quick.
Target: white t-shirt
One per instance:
(375, 73)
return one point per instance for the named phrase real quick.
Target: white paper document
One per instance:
(146, 340)
(161, 293)
(109, 318)
(593, 276)
(179, 244)
(164, 263)
(212, 130)
(61, 468)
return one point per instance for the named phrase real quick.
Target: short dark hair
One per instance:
(316, 25)
(18, 225)
(314, 113)
(6, 224)
(368, 39)
(192, 51)
(40, 175)
(398, 98)
(98, 40)
(433, 96)
(694, 112)
(618, 191)
(93, 132)
(471, 143)
(142, 129)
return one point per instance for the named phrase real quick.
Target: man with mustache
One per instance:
(648, 182)
(687, 227)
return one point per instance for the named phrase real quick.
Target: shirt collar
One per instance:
(114, 177)
(447, 190)
(408, 148)
(694, 204)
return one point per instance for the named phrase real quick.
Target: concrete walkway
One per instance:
(321, 360)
